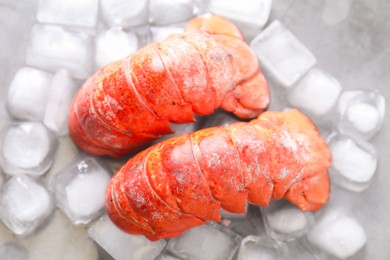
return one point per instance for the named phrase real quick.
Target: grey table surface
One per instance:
(351, 40)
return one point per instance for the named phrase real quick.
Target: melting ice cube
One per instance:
(337, 234)
(254, 247)
(123, 246)
(28, 92)
(316, 93)
(80, 189)
(114, 44)
(171, 11)
(354, 162)
(249, 13)
(210, 241)
(125, 12)
(284, 221)
(24, 204)
(62, 89)
(361, 113)
(282, 53)
(26, 148)
(68, 12)
(53, 47)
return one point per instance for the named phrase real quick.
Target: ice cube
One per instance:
(254, 248)
(80, 189)
(284, 221)
(248, 13)
(354, 162)
(219, 118)
(68, 12)
(160, 33)
(123, 246)
(361, 113)
(337, 234)
(282, 53)
(165, 256)
(114, 44)
(26, 148)
(53, 47)
(13, 251)
(24, 204)
(336, 11)
(125, 12)
(28, 92)
(62, 89)
(228, 215)
(171, 11)
(211, 241)
(316, 93)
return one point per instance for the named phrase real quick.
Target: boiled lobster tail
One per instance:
(184, 181)
(133, 101)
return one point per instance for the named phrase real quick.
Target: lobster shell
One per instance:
(131, 102)
(184, 181)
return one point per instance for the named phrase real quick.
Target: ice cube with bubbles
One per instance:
(171, 11)
(282, 54)
(255, 247)
(80, 189)
(338, 234)
(114, 44)
(26, 148)
(284, 221)
(354, 162)
(28, 93)
(248, 13)
(125, 12)
(53, 47)
(25, 204)
(316, 93)
(13, 251)
(361, 113)
(211, 241)
(123, 246)
(63, 88)
(81, 13)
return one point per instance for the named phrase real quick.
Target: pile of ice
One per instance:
(71, 39)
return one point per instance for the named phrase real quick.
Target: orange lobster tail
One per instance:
(184, 181)
(132, 101)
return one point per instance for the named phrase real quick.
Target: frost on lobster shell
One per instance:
(132, 101)
(184, 181)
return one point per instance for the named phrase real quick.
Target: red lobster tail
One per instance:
(184, 181)
(131, 102)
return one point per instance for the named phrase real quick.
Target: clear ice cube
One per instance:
(62, 89)
(171, 11)
(123, 246)
(28, 93)
(114, 44)
(80, 189)
(13, 251)
(24, 204)
(254, 248)
(81, 13)
(361, 113)
(53, 47)
(160, 33)
(284, 221)
(26, 148)
(337, 234)
(316, 93)
(125, 12)
(248, 13)
(354, 162)
(282, 54)
(211, 241)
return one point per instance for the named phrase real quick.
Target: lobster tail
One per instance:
(131, 102)
(184, 181)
